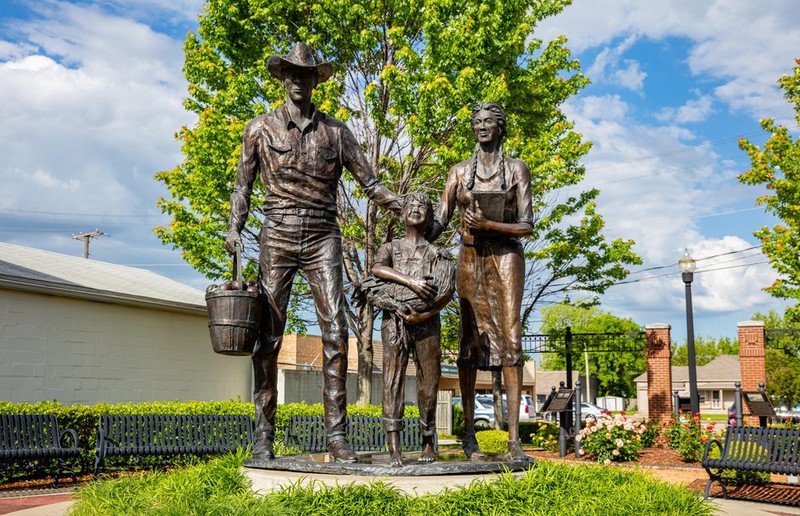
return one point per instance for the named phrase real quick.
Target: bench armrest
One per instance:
(73, 436)
(712, 442)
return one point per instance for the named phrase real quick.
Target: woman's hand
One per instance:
(474, 218)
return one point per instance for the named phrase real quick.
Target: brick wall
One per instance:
(752, 353)
(659, 372)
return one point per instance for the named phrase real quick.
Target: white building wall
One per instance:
(85, 352)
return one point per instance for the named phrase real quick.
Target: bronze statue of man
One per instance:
(300, 153)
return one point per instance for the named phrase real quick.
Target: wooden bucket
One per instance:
(234, 317)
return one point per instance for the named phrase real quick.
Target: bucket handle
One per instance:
(237, 265)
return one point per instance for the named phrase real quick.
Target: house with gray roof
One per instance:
(715, 384)
(84, 331)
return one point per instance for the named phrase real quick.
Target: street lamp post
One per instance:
(687, 266)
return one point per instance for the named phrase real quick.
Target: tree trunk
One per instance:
(497, 392)
(366, 318)
(365, 355)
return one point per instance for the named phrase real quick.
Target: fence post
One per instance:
(737, 402)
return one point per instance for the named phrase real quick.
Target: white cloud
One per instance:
(609, 66)
(742, 44)
(694, 110)
(90, 102)
(630, 77)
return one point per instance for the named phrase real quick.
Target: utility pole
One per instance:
(86, 237)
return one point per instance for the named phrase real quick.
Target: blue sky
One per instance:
(91, 91)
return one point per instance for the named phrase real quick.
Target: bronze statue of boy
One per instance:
(415, 282)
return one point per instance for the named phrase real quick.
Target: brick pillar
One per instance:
(752, 352)
(659, 372)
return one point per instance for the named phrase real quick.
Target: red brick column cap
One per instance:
(657, 326)
(745, 324)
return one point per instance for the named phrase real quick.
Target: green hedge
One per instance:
(83, 419)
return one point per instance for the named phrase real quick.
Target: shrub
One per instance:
(545, 435)
(526, 428)
(83, 418)
(612, 438)
(651, 434)
(688, 435)
(492, 441)
(458, 421)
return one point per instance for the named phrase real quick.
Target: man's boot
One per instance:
(341, 451)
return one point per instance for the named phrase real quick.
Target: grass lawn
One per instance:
(218, 488)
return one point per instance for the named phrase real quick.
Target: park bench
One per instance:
(138, 435)
(364, 433)
(757, 449)
(37, 437)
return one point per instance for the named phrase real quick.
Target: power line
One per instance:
(65, 214)
(659, 267)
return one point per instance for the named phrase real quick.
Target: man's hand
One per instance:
(233, 241)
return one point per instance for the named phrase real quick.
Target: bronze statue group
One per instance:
(300, 153)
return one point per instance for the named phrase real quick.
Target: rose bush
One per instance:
(687, 434)
(612, 438)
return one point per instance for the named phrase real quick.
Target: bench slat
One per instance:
(365, 433)
(129, 435)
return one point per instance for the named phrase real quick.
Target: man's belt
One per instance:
(302, 212)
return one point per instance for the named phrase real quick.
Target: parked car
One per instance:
(527, 409)
(484, 411)
(590, 411)
(488, 400)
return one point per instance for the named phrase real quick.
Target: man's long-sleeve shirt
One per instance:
(300, 168)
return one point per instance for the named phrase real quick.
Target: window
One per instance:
(716, 399)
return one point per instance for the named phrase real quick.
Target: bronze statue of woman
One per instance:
(494, 196)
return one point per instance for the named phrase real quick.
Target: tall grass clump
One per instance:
(214, 488)
(218, 488)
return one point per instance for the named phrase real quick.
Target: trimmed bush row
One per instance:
(83, 418)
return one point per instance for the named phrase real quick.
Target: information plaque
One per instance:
(562, 401)
(758, 404)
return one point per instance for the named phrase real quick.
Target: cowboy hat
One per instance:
(299, 56)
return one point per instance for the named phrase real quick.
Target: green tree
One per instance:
(777, 166)
(614, 371)
(782, 361)
(406, 74)
(706, 349)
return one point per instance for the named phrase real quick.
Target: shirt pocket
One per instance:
(326, 162)
(280, 152)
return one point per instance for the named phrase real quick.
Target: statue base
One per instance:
(415, 478)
